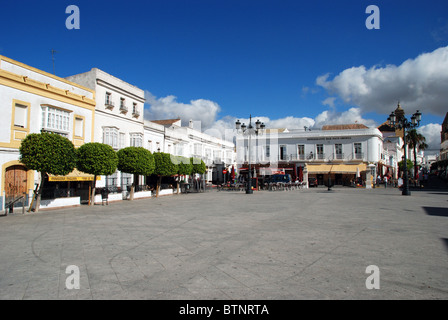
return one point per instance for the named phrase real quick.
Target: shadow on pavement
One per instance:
(436, 211)
(445, 242)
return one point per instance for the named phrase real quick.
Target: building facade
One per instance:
(34, 101)
(118, 118)
(171, 137)
(337, 154)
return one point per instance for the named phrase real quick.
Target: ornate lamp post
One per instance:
(403, 123)
(249, 131)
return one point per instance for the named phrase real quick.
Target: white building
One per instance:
(32, 101)
(118, 118)
(171, 137)
(341, 153)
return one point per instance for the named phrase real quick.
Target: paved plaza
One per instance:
(302, 244)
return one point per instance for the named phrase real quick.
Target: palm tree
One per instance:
(416, 141)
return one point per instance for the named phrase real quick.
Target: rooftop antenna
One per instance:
(52, 58)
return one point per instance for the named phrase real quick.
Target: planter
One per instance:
(60, 202)
(111, 197)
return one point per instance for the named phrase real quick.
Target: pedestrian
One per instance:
(385, 181)
(400, 183)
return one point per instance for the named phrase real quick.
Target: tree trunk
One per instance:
(159, 182)
(131, 195)
(39, 192)
(92, 198)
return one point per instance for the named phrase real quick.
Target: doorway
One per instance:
(16, 185)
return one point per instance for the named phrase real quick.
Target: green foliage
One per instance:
(198, 165)
(48, 152)
(97, 158)
(416, 140)
(164, 166)
(135, 160)
(184, 166)
(410, 165)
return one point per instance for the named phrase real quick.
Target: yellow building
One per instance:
(33, 101)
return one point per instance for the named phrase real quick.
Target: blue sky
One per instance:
(227, 59)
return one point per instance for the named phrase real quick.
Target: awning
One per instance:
(336, 168)
(267, 171)
(75, 175)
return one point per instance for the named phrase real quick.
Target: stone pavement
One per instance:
(303, 244)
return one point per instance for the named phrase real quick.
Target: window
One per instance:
(150, 145)
(123, 107)
(54, 119)
(126, 180)
(179, 149)
(301, 152)
(135, 112)
(208, 153)
(268, 151)
(217, 155)
(282, 152)
(122, 140)
(20, 116)
(320, 151)
(338, 151)
(198, 149)
(136, 139)
(108, 98)
(110, 136)
(79, 127)
(358, 151)
(112, 180)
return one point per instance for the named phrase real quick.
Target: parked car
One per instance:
(312, 182)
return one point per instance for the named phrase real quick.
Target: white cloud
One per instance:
(419, 84)
(351, 116)
(329, 102)
(432, 134)
(201, 110)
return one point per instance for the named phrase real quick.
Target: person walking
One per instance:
(385, 181)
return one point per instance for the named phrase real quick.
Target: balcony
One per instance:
(109, 105)
(357, 156)
(136, 113)
(123, 109)
(337, 156)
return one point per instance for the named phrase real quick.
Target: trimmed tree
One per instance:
(47, 153)
(98, 159)
(184, 167)
(136, 161)
(164, 167)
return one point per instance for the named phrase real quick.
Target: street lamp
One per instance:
(249, 131)
(402, 123)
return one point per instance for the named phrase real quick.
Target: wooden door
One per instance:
(15, 183)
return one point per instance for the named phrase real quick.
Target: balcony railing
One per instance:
(337, 156)
(109, 104)
(123, 109)
(136, 113)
